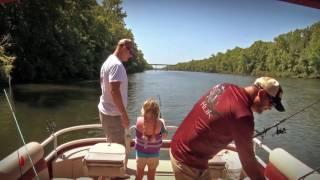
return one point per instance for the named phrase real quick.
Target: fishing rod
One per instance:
(283, 130)
(160, 105)
(309, 173)
(172, 123)
(21, 136)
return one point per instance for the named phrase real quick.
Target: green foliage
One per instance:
(5, 65)
(294, 54)
(60, 40)
(5, 60)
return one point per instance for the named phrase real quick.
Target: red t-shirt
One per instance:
(221, 116)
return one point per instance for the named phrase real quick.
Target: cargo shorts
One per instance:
(112, 128)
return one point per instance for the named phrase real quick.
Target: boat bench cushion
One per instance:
(273, 173)
(69, 164)
(287, 165)
(105, 159)
(17, 164)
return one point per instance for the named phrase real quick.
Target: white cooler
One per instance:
(105, 159)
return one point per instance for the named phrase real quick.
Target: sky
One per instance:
(173, 31)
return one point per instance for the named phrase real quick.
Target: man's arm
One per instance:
(242, 130)
(117, 99)
(165, 130)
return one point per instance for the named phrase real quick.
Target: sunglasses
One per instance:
(273, 100)
(129, 49)
(276, 101)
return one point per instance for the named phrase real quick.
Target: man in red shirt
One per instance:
(224, 114)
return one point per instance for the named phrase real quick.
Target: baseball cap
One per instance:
(274, 90)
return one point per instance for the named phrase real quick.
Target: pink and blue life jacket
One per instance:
(148, 146)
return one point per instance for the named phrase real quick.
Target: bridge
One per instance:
(160, 66)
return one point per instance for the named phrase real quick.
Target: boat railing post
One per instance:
(55, 142)
(254, 146)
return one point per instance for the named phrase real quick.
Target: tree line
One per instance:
(295, 54)
(61, 40)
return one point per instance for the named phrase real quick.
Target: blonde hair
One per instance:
(124, 42)
(152, 108)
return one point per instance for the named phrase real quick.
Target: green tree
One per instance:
(66, 40)
(294, 54)
(5, 61)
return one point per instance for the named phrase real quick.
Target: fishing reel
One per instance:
(263, 133)
(280, 131)
(51, 126)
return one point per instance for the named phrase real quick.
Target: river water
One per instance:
(76, 103)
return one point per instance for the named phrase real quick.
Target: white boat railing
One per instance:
(54, 137)
(56, 148)
(259, 143)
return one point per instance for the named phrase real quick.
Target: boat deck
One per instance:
(226, 163)
(164, 170)
(74, 158)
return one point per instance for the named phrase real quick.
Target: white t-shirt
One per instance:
(112, 70)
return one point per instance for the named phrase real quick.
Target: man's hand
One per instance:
(125, 120)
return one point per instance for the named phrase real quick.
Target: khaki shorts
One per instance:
(112, 128)
(185, 172)
(152, 163)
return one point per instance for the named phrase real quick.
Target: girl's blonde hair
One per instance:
(151, 107)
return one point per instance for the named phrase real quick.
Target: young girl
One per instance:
(150, 129)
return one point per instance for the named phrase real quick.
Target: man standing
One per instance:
(224, 114)
(114, 86)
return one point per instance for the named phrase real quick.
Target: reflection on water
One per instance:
(35, 105)
(75, 104)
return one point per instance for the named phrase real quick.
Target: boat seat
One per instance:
(73, 159)
(283, 165)
(105, 159)
(17, 164)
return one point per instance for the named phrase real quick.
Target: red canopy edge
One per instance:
(309, 3)
(6, 1)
